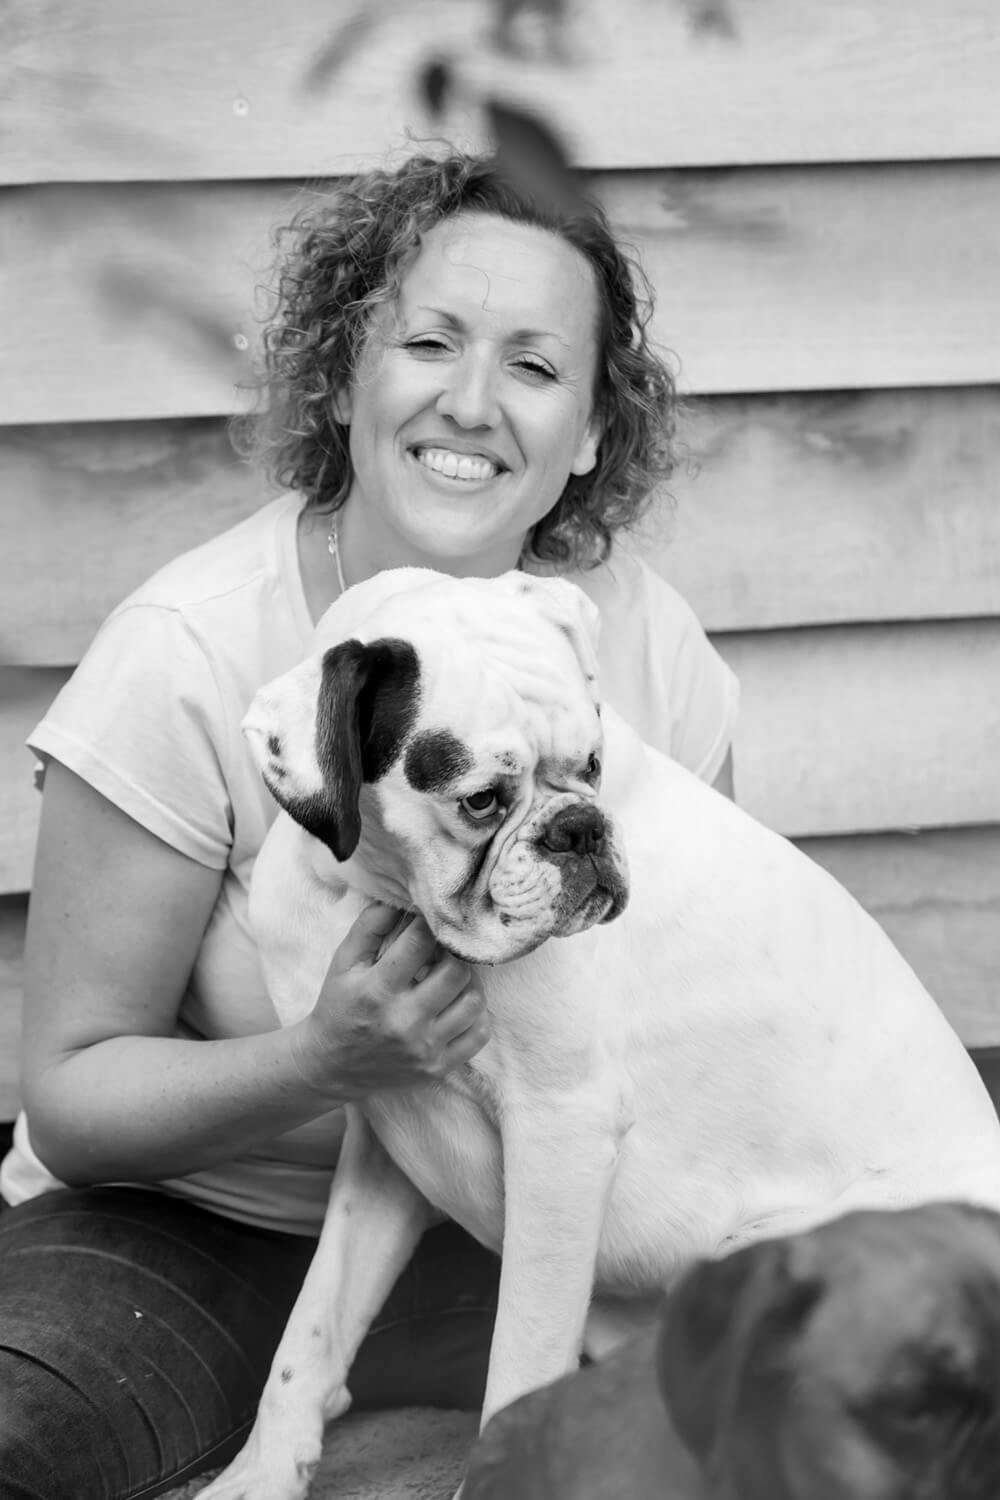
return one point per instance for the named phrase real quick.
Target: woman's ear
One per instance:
(586, 454)
(342, 405)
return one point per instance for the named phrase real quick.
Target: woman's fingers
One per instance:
(410, 957)
(399, 943)
(467, 1009)
(466, 1031)
(398, 1004)
(367, 937)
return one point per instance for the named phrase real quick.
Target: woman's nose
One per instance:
(470, 394)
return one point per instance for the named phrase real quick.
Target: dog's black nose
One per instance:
(576, 830)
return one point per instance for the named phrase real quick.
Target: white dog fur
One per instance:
(740, 1053)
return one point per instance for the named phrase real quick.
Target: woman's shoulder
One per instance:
(635, 600)
(658, 667)
(252, 552)
(151, 715)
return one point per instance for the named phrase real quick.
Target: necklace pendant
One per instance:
(333, 547)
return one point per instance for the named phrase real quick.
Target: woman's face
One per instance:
(473, 403)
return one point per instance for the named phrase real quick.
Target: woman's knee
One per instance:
(131, 1344)
(52, 1441)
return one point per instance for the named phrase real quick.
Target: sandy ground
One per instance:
(413, 1454)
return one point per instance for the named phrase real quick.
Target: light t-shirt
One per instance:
(151, 719)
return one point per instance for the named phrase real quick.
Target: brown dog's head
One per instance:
(859, 1361)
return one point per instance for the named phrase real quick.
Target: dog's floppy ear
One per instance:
(336, 721)
(716, 1323)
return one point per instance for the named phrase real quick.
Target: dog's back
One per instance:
(779, 1061)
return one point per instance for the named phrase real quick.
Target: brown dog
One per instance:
(859, 1361)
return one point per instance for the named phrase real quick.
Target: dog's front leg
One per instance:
(559, 1161)
(374, 1219)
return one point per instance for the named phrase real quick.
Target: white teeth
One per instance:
(455, 465)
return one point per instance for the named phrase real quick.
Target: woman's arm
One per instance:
(115, 923)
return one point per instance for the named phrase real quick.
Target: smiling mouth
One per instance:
(468, 467)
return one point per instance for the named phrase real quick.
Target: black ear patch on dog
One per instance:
(367, 705)
(434, 759)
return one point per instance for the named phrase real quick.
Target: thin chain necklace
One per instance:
(333, 547)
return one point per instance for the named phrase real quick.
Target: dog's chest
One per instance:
(445, 1138)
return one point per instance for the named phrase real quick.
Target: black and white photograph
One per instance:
(500, 750)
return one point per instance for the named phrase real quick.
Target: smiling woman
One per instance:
(474, 401)
(459, 378)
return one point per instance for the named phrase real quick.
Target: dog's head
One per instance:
(860, 1361)
(446, 737)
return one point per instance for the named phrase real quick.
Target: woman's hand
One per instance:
(395, 1010)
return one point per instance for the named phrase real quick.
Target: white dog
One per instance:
(737, 1053)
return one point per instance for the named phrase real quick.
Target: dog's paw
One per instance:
(265, 1470)
(283, 1451)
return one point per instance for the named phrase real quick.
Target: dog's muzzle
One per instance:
(579, 841)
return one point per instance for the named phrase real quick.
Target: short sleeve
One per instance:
(704, 697)
(142, 721)
(658, 667)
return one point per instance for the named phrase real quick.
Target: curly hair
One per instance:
(351, 244)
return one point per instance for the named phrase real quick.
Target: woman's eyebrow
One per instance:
(519, 334)
(442, 312)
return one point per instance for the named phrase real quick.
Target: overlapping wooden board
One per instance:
(854, 728)
(862, 728)
(935, 893)
(835, 507)
(129, 89)
(136, 301)
(90, 511)
(938, 897)
(13, 910)
(788, 509)
(25, 693)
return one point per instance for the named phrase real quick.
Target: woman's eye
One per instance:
(480, 804)
(535, 367)
(427, 345)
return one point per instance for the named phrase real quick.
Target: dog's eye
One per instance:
(480, 805)
(942, 1397)
(593, 768)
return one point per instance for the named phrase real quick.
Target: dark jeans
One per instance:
(136, 1333)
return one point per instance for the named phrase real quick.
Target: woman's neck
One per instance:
(368, 546)
(364, 551)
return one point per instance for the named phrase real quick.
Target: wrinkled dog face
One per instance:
(860, 1361)
(446, 740)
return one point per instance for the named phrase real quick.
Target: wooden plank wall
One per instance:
(815, 191)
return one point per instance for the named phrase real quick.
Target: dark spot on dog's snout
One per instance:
(434, 759)
(273, 744)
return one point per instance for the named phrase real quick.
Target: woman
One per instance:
(457, 378)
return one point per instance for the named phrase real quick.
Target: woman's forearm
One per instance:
(139, 1108)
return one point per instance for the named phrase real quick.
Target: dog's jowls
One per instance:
(858, 1361)
(699, 1040)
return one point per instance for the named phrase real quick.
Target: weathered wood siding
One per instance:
(815, 192)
